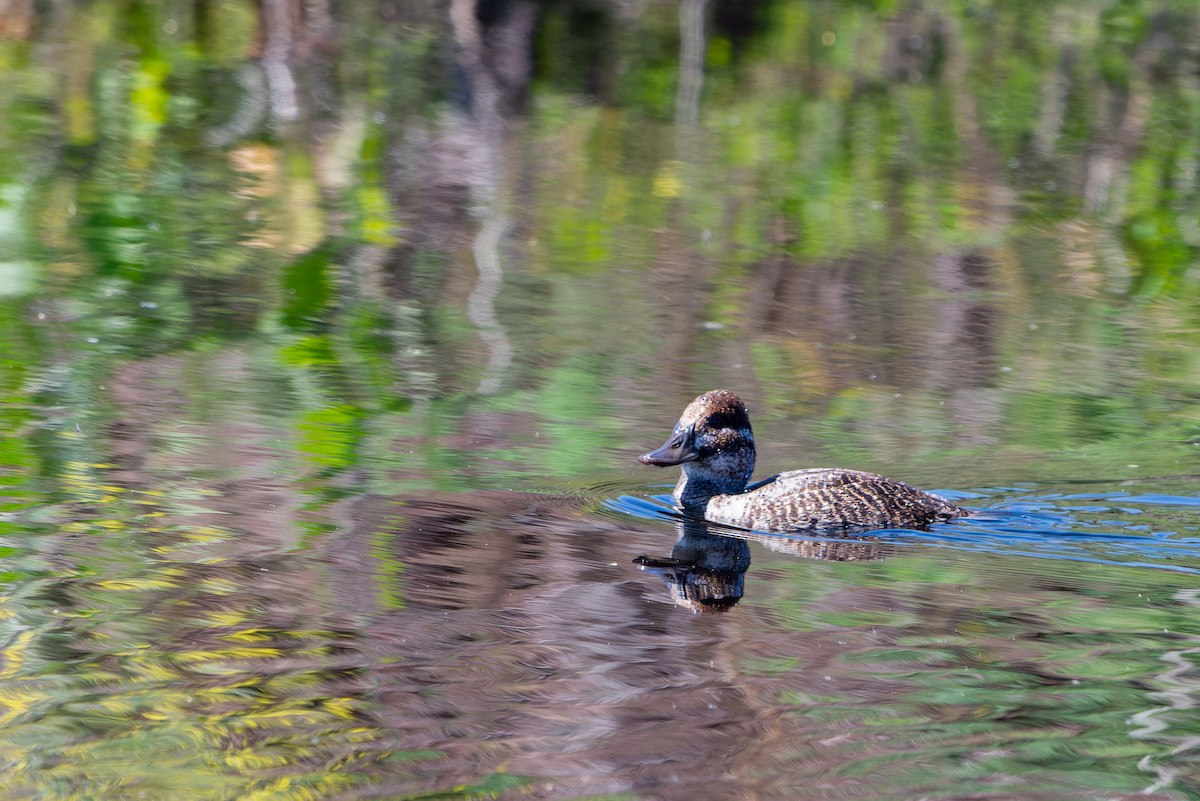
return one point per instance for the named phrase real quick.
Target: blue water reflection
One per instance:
(1019, 522)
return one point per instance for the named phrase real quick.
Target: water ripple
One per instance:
(1135, 530)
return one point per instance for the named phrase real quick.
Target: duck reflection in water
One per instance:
(706, 571)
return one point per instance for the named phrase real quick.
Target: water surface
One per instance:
(330, 334)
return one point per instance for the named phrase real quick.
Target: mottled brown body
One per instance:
(829, 497)
(714, 445)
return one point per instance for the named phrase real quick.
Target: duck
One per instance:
(714, 445)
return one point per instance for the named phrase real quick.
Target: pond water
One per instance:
(331, 333)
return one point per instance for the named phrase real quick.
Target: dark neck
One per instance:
(700, 481)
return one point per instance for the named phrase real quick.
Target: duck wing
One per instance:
(823, 498)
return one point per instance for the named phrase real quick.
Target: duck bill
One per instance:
(677, 450)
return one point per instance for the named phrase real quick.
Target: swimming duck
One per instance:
(713, 443)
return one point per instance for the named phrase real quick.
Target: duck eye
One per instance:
(718, 421)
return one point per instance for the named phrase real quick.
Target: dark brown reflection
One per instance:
(862, 315)
(517, 633)
(964, 332)
(844, 309)
(962, 342)
(705, 572)
(707, 567)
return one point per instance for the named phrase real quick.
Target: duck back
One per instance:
(822, 498)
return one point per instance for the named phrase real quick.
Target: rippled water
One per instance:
(1082, 523)
(500, 642)
(329, 334)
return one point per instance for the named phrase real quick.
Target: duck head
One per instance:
(713, 443)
